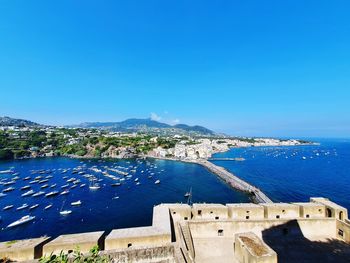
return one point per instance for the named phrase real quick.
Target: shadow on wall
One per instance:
(291, 246)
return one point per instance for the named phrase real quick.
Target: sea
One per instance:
(285, 174)
(110, 207)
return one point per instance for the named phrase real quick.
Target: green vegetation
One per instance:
(76, 256)
(76, 142)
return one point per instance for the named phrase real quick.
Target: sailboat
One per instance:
(93, 185)
(65, 212)
(188, 195)
(21, 221)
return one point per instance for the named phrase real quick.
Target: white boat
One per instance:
(25, 187)
(33, 206)
(26, 178)
(8, 189)
(44, 186)
(7, 207)
(48, 206)
(138, 183)
(43, 181)
(21, 221)
(82, 185)
(64, 192)
(52, 186)
(38, 194)
(2, 194)
(65, 212)
(24, 206)
(136, 180)
(30, 192)
(73, 186)
(65, 186)
(93, 185)
(34, 181)
(76, 203)
(53, 193)
(157, 182)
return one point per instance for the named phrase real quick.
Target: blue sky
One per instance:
(261, 68)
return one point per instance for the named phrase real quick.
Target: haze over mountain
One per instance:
(129, 125)
(134, 125)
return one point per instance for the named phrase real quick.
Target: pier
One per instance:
(234, 181)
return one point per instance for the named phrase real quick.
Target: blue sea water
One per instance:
(296, 173)
(100, 210)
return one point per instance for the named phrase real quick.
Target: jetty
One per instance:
(227, 159)
(234, 181)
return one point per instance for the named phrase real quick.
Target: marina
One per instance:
(103, 187)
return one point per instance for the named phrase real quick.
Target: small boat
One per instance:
(94, 186)
(138, 183)
(76, 203)
(64, 192)
(26, 178)
(65, 186)
(2, 194)
(65, 212)
(116, 184)
(136, 180)
(73, 186)
(21, 221)
(48, 206)
(43, 181)
(34, 181)
(82, 185)
(304, 158)
(7, 207)
(53, 193)
(33, 206)
(8, 189)
(9, 183)
(24, 206)
(70, 180)
(157, 182)
(38, 194)
(6, 172)
(25, 187)
(44, 186)
(30, 192)
(52, 186)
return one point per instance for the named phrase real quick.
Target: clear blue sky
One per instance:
(269, 68)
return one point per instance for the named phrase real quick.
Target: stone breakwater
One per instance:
(235, 182)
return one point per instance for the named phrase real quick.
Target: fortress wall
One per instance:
(164, 254)
(22, 250)
(85, 241)
(209, 211)
(307, 227)
(245, 211)
(280, 211)
(343, 230)
(311, 210)
(332, 209)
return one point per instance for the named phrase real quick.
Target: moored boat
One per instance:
(53, 193)
(76, 203)
(24, 219)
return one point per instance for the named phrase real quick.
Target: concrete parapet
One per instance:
(311, 210)
(22, 250)
(66, 243)
(249, 248)
(332, 209)
(245, 211)
(280, 211)
(137, 237)
(156, 235)
(209, 211)
(157, 254)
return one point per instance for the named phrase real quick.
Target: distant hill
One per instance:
(7, 121)
(147, 125)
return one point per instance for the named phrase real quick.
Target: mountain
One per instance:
(147, 125)
(7, 121)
